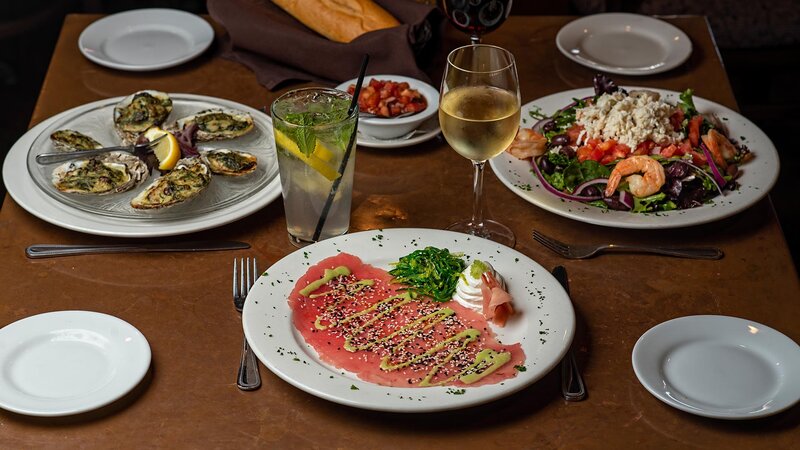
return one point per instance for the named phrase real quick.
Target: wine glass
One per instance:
(476, 17)
(479, 112)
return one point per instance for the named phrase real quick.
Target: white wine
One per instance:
(479, 122)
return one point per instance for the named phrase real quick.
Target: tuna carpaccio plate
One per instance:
(293, 342)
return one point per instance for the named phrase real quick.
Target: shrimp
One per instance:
(527, 144)
(720, 148)
(640, 185)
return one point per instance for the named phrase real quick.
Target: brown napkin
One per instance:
(279, 48)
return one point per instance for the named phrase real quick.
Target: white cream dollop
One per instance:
(468, 290)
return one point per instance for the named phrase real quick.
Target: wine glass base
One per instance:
(489, 229)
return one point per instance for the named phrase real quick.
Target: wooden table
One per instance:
(181, 301)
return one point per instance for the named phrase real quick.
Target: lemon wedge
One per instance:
(318, 160)
(166, 150)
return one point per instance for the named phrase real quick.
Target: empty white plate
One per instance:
(68, 362)
(719, 366)
(623, 43)
(145, 39)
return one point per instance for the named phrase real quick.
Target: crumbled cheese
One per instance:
(629, 120)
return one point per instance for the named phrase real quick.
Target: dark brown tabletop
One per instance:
(181, 301)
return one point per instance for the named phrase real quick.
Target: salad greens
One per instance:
(431, 271)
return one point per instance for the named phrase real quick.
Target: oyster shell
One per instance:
(140, 111)
(229, 162)
(189, 177)
(216, 124)
(106, 174)
(71, 140)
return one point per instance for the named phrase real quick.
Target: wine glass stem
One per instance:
(477, 194)
(474, 39)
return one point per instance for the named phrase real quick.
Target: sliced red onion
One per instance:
(717, 176)
(552, 190)
(699, 170)
(626, 198)
(585, 184)
(537, 127)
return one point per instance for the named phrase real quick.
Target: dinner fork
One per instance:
(57, 157)
(243, 279)
(572, 251)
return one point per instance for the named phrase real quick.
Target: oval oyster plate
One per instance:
(223, 191)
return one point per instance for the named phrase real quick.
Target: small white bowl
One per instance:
(389, 128)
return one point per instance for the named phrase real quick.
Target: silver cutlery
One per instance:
(248, 378)
(573, 251)
(51, 250)
(57, 157)
(572, 387)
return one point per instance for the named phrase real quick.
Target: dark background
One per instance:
(759, 43)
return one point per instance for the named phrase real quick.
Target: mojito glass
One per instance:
(312, 131)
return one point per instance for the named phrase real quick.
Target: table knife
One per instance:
(52, 250)
(572, 386)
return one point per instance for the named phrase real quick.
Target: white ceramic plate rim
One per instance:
(538, 296)
(92, 38)
(431, 125)
(757, 176)
(655, 346)
(133, 361)
(571, 35)
(25, 192)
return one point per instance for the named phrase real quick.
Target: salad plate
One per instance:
(719, 366)
(68, 362)
(624, 43)
(757, 176)
(145, 39)
(25, 191)
(426, 131)
(544, 321)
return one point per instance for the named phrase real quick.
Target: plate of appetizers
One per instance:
(719, 366)
(354, 320)
(31, 184)
(623, 43)
(695, 162)
(146, 39)
(68, 362)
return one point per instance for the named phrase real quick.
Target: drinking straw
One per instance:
(335, 187)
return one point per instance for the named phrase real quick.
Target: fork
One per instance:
(248, 378)
(51, 158)
(572, 251)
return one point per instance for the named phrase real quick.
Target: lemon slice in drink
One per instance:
(318, 159)
(166, 150)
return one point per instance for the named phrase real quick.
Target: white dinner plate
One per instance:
(27, 194)
(623, 43)
(145, 39)
(68, 362)
(544, 323)
(719, 366)
(756, 178)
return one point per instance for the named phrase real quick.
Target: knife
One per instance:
(572, 386)
(52, 250)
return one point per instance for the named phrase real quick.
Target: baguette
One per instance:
(339, 20)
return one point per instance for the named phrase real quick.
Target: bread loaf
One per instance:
(339, 20)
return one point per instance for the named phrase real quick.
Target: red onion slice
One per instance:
(552, 190)
(717, 176)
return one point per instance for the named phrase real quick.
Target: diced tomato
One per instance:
(694, 130)
(589, 152)
(573, 132)
(698, 159)
(676, 119)
(389, 98)
(668, 151)
(644, 148)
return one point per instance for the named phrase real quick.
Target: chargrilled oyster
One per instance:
(105, 174)
(189, 177)
(216, 124)
(71, 140)
(140, 111)
(229, 162)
